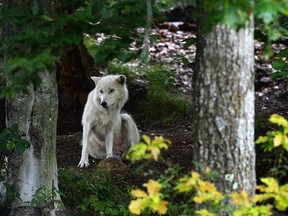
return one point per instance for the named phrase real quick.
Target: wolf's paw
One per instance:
(83, 163)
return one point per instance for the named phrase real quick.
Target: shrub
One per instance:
(94, 193)
(276, 142)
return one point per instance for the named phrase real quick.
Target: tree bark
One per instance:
(74, 84)
(224, 106)
(36, 115)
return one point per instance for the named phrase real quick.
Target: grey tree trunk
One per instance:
(36, 114)
(224, 107)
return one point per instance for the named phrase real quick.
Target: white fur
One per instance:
(107, 132)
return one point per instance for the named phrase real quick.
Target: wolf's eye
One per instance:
(111, 90)
(101, 91)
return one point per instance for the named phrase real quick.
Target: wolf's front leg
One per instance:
(84, 161)
(109, 144)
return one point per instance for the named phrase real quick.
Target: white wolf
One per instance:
(107, 132)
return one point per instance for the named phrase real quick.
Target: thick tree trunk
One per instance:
(36, 115)
(224, 107)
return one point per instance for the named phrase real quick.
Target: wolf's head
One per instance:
(110, 91)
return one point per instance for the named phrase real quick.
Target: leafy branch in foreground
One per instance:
(152, 199)
(148, 149)
(204, 192)
(277, 138)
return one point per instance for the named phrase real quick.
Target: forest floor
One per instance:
(271, 97)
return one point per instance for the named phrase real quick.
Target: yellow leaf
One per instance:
(202, 197)
(155, 151)
(277, 119)
(157, 140)
(162, 145)
(153, 187)
(208, 170)
(195, 175)
(139, 193)
(284, 188)
(161, 206)
(183, 187)
(206, 186)
(137, 206)
(204, 212)
(261, 197)
(277, 140)
(272, 185)
(160, 142)
(241, 198)
(146, 139)
(285, 139)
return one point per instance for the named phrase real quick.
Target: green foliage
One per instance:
(161, 104)
(117, 67)
(232, 13)
(235, 13)
(37, 40)
(12, 139)
(94, 193)
(46, 198)
(281, 64)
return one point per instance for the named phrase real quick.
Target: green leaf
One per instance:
(185, 61)
(262, 139)
(280, 65)
(22, 145)
(189, 41)
(266, 10)
(283, 53)
(154, 38)
(280, 74)
(47, 18)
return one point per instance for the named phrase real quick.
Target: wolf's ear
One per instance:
(95, 79)
(121, 79)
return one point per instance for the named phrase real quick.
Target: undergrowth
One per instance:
(161, 103)
(116, 67)
(93, 193)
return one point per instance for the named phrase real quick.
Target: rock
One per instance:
(120, 170)
(113, 165)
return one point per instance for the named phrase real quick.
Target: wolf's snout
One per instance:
(104, 104)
